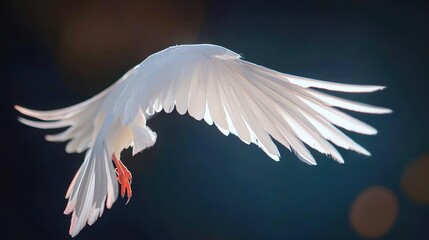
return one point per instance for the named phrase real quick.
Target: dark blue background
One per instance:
(197, 184)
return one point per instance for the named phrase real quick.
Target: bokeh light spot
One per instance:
(415, 181)
(100, 40)
(374, 212)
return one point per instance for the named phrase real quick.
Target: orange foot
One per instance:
(124, 177)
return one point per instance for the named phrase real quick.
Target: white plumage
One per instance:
(211, 83)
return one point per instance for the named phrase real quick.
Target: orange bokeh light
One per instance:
(101, 40)
(374, 212)
(96, 42)
(415, 181)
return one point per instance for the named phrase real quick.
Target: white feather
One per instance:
(209, 82)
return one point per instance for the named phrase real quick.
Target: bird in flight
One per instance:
(210, 82)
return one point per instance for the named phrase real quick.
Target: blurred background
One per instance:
(195, 183)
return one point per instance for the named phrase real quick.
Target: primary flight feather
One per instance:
(209, 82)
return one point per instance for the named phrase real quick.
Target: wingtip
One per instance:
(363, 151)
(21, 120)
(307, 159)
(311, 162)
(19, 108)
(373, 88)
(382, 110)
(388, 111)
(27, 122)
(338, 159)
(379, 88)
(23, 110)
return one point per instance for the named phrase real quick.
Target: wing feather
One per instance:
(233, 107)
(197, 93)
(253, 102)
(308, 133)
(82, 120)
(214, 101)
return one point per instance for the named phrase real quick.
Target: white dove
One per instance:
(209, 82)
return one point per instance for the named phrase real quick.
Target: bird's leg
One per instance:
(124, 177)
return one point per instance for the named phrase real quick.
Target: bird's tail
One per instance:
(93, 186)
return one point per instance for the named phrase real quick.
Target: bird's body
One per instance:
(211, 83)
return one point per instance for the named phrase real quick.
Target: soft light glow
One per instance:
(109, 37)
(374, 212)
(415, 180)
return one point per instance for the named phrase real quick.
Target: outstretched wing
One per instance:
(82, 120)
(250, 101)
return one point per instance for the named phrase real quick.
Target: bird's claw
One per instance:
(124, 178)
